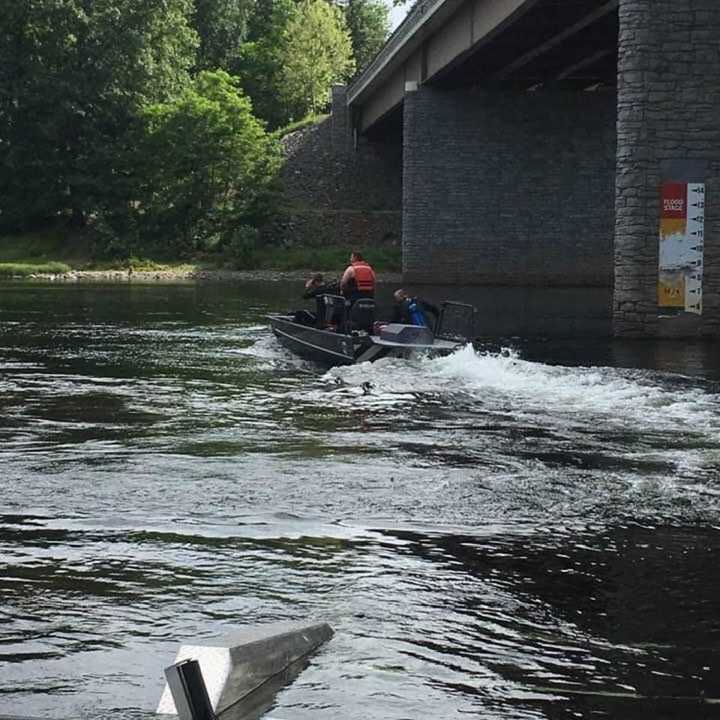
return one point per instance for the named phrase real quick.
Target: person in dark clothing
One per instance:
(316, 285)
(414, 310)
(315, 288)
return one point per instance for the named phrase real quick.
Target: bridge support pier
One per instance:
(668, 132)
(508, 188)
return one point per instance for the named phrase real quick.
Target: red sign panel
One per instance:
(674, 201)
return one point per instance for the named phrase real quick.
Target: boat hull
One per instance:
(331, 348)
(321, 346)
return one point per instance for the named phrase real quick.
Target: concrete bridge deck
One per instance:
(496, 43)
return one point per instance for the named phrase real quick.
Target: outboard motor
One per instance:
(362, 315)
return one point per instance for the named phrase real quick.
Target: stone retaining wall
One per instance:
(334, 194)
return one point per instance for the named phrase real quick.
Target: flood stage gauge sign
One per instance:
(682, 238)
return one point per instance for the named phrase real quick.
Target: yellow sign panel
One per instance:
(671, 290)
(670, 227)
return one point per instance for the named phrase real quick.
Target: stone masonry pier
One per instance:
(508, 189)
(668, 119)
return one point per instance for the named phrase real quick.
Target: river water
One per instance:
(528, 532)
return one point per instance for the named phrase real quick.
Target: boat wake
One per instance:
(505, 382)
(267, 354)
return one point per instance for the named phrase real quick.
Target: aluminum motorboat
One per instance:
(349, 334)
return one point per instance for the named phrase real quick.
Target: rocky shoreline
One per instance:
(175, 276)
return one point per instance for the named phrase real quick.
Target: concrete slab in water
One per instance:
(239, 663)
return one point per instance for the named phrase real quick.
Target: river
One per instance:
(527, 532)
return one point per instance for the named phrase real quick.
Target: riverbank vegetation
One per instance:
(62, 250)
(151, 128)
(22, 270)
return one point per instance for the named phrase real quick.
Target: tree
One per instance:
(316, 53)
(202, 165)
(73, 74)
(369, 24)
(221, 26)
(259, 64)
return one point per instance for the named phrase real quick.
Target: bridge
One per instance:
(544, 142)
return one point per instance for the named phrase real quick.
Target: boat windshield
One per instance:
(456, 322)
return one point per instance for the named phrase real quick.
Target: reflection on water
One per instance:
(526, 532)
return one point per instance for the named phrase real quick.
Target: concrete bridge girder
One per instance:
(435, 46)
(449, 32)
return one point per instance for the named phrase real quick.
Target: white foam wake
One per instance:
(266, 352)
(617, 396)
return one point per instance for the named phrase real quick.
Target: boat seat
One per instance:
(362, 315)
(335, 315)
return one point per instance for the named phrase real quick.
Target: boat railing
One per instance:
(456, 322)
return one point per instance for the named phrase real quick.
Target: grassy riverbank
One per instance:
(41, 252)
(13, 270)
(55, 252)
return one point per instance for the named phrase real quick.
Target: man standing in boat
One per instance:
(358, 280)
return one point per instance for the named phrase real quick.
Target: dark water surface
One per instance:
(531, 533)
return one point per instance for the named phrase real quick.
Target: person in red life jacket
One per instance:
(358, 280)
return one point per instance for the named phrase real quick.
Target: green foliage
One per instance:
(15, 270)
(241, 250)
(221, 26)
(51, 244)
(316, 53)
(319, 258)
(204, 164)
(60, 251)
(142, 264)
(369, 24)
(103, 124)
(259, 64)
(72, 75)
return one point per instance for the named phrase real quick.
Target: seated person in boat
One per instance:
(414, 310)
(358, 280)
(315, 288)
